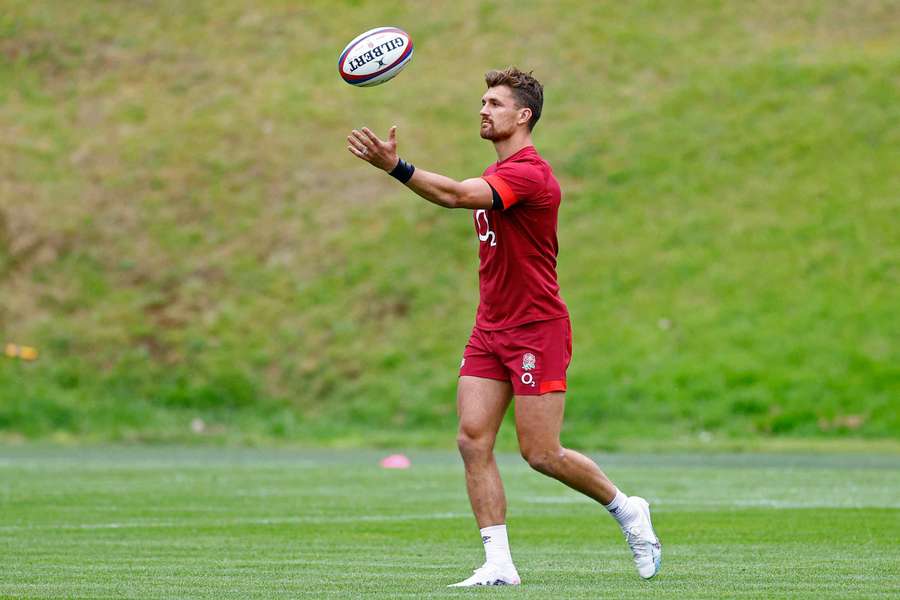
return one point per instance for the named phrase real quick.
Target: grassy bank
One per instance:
(183, 235)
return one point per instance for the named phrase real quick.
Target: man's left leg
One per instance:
(538, 424)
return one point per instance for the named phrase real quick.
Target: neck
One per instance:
(512, 144)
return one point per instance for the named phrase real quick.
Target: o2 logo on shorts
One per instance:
(529, 362)
(484, 232)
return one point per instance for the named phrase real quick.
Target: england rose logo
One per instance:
(528, 361)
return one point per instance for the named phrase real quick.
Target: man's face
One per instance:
(500, 115)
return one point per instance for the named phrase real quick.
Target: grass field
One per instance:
(129, 522)
(183, 233)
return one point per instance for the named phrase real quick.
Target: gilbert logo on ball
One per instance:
(375, 56)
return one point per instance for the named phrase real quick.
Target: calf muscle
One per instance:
(538, 425)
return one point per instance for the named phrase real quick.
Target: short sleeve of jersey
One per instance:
(517, 182)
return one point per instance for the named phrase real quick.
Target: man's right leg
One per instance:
(481, 404)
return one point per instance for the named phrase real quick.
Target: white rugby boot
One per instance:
(491, 574)
(642, 540)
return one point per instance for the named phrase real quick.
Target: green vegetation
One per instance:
(184, 236)
(202, 523)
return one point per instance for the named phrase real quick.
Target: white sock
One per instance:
(496, 545)
(620, 509)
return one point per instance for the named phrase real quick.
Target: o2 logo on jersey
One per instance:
(483, 227)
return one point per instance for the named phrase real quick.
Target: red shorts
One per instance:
(533, 357)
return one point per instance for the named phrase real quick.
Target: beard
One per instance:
(490, 132)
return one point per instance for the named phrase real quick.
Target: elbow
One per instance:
(449, 200)
(463, 199)
(454, 196)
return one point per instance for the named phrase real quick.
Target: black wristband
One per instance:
(403, 171)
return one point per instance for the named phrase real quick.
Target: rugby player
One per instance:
(521, 344)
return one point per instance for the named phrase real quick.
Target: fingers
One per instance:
(372, 137)
(362, 139)
(361, 146)
(365, 145)
(356, 143)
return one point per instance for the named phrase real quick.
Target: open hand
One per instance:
(369, 148)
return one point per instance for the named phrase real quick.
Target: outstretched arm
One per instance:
(441, 190)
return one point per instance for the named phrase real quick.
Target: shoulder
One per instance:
(531, 167)
(526, 163)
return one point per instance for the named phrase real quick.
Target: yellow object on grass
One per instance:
(23, 352)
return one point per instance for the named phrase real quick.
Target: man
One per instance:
(521, 344)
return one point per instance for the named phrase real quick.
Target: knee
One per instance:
(473, 445)
(545, 460)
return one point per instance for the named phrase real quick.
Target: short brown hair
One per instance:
(528, 91)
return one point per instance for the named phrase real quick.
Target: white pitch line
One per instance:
(661, 503)
(249, 521)
(724, 503)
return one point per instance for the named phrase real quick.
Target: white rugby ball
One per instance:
(375, 56)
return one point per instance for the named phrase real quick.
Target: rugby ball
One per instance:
(375, 56)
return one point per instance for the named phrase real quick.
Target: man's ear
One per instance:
(525, 116)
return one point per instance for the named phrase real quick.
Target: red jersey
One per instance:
(518, 244)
